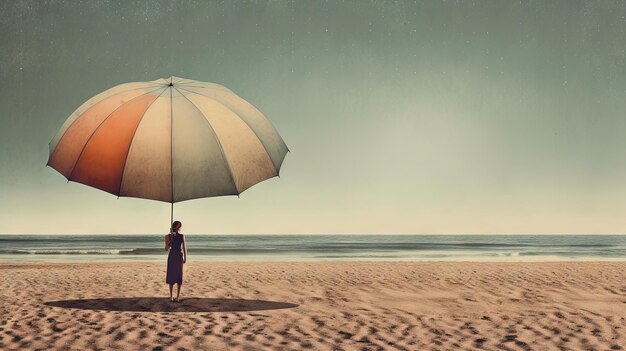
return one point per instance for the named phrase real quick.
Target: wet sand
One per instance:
(316, 306)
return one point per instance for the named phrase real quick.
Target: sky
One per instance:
(429, 117)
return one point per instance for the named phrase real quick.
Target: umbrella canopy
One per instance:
(169, 140)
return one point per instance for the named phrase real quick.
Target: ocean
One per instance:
(73, 248)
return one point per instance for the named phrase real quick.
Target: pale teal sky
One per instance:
(401, 117)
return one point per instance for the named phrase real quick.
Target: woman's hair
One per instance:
(176, 225)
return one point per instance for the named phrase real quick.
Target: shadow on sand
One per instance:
(162, 304)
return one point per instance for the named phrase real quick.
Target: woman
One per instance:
(176, 257)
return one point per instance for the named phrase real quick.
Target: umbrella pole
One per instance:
(172, 215)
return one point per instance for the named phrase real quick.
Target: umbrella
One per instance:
(170, 140)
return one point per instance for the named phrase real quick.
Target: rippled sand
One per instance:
(316, 305)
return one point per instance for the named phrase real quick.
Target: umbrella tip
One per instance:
(171, 84)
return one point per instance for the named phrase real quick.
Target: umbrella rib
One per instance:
(119, 189)
(98, 127)
(171, 150)
(219, 143)
(244, 121)
(212, 86)
(192, 86)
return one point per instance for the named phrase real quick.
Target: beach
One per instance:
(356, 305)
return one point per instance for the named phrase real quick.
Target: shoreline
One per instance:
(504, 260)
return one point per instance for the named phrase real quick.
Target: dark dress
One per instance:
(175, 260)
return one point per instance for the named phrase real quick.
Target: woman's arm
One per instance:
(184, 250)
(168, 243)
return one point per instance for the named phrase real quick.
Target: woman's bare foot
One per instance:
(178, 299)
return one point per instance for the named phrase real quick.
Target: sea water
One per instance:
(72, 248)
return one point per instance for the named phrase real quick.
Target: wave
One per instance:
(508, 254)
(72, 251)
(316, 252)
(144, 251)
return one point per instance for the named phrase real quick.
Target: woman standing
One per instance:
(176, 257)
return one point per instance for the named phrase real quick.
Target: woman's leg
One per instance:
(171, 288)
(178, 291)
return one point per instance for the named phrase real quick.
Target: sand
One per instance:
(316, 306)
